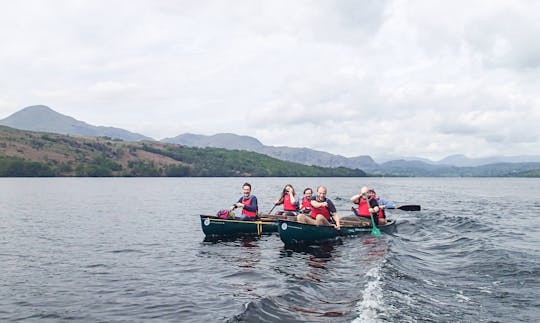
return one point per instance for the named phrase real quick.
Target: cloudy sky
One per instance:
(379, 78)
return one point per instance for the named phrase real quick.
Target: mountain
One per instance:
(403, 167)
(220, 140)
(28, 153)
(464, 161)
(304, 156)
(43, 118)
(409, 166)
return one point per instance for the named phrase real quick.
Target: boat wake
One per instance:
(371, 305)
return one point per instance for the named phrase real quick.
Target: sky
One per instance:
(381, 78)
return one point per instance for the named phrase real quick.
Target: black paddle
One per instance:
(272, 209)
(411, 207)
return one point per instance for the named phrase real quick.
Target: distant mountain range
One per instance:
(26, 153)
(457, 165)
(299, 155)
(464, 161)
(42, 118)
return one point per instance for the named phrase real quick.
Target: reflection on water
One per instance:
(314, 279)
(217, 239)
(376, 248)
(317, 258)
(250, 254)
(244, 252)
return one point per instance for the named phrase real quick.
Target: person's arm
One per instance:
(294, 201)
(386, 204)
(279, 201)
(373, 206)
(335, 216)
(237, 204)
(333, 213)
(317, 204)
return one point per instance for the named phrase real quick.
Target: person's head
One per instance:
(288, 188)
(364, 190)
(308, 192)
(371, 192)
(246, 189)
(321, 193)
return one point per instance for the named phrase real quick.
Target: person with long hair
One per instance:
(289, 201)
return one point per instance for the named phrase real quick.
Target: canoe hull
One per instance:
(292, 232)
(216, 227)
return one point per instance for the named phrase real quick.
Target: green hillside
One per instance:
(26, 153)
(530, 173)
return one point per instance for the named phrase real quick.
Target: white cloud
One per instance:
(411, 77)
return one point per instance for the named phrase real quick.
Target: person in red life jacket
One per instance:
(323, 211)
(381, 214)
(248, 203)
(289, 201)
(305, 206)
(366, 207)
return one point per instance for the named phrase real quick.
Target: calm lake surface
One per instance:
(132, 249)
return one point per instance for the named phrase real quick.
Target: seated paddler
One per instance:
(368, 206)
(323, 211)
(248, 204)
(289, 201)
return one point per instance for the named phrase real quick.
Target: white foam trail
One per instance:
(371, 302)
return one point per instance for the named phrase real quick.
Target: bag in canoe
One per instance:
(225, 214)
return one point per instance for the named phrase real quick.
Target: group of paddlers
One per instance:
(316, 209)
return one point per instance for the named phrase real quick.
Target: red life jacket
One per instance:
(251, 214)
(363, 208)
(320, 210)
(287, 205)
(381, 211)
(306, 204)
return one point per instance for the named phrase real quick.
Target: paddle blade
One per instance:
(375, 231)
(409, 207)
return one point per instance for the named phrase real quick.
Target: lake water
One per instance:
(132, 249)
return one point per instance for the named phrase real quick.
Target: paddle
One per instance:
(411, 207)
(375, 231)
(272, 209)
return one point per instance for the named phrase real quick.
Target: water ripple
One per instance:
(117, 250)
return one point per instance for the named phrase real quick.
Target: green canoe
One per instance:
(213, 226)
(292, 232)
